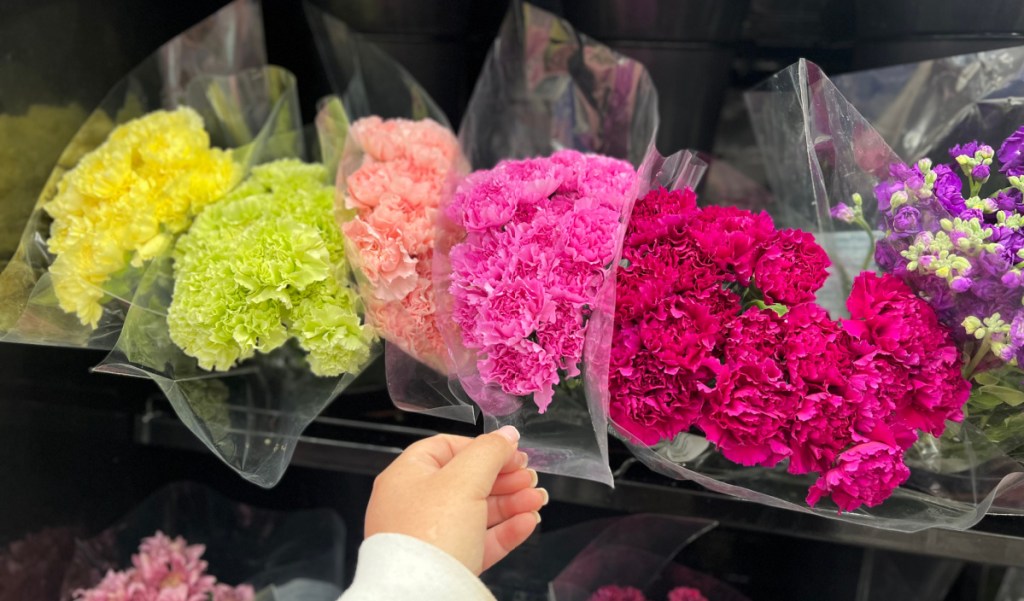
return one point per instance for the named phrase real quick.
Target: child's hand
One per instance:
(471, 497)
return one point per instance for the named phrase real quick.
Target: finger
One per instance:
(516, 481)
(508, 535)
(477, 466)
(504, 507)
(438, 450)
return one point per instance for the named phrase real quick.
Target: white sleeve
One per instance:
(396, 567)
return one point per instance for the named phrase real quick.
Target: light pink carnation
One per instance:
(396, 192)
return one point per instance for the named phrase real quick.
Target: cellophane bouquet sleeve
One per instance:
(248, 323)
(71, 278)
(527, 245)
(188, 529)
(931, 457)
(394, 153)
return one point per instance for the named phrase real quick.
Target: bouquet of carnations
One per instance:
(527, 248)
(249, 323)
(129, 182)
(944, 309)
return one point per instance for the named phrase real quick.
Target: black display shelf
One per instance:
(365, 447)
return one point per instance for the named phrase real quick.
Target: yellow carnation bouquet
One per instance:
(130, 181)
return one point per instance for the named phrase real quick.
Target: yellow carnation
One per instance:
(124, 202)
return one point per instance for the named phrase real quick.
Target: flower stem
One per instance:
(975, 186)
(979, 355)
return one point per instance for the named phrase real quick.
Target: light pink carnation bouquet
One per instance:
(391, 182)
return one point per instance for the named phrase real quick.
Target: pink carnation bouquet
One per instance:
(391, 181)
(525, 278)
(541, 237)
(165, 568)
(717, 334)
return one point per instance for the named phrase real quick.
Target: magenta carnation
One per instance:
(617, 593)
(735, 239)
(866, 474)
(686, 593)
(748, 413)
(920, 363)
(792, 268)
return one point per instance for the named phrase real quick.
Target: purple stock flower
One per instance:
(889, 259)
(980, 173)
(1011, 153)
(843, 213)
(884, 192)
(1011, 279)
(907, 220)
(948, 189)
(967, 150)
(1007, 201)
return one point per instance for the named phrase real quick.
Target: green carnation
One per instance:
(265, 265)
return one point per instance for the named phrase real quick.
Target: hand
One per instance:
(471, 497)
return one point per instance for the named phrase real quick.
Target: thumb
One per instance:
(478, 464)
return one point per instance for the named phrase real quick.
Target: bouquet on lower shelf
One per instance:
(717, 332)
(165, 568)
(628, 593)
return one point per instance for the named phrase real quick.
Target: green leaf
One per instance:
(1010, 396)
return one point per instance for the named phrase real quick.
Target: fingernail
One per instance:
(547, 497)
(510, 433)
(536, 515)
(536, 478)
(524, 459)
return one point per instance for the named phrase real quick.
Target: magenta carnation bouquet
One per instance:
(717, 334)
(945, 234)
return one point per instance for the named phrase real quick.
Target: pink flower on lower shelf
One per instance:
(165, 569)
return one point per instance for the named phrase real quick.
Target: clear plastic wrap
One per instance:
(546, 88)
(228, 41)
(251, 414)
(634, 551)
(370, 84)
(276, 553)
(921, 109)
(820, 151)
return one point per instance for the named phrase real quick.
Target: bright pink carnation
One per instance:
(792, 268)
(686, 593)
(866, 474)
(542, 235)
(617, 593)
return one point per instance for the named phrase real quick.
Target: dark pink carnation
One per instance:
(919, 363)
(686, 593)
(866, 474)
(792, 268)
(657, 212)
(617, 593)
(822, 427)
(754, 336)
(682, 332)
(815, 348)
(734, 238)
(749, 412)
